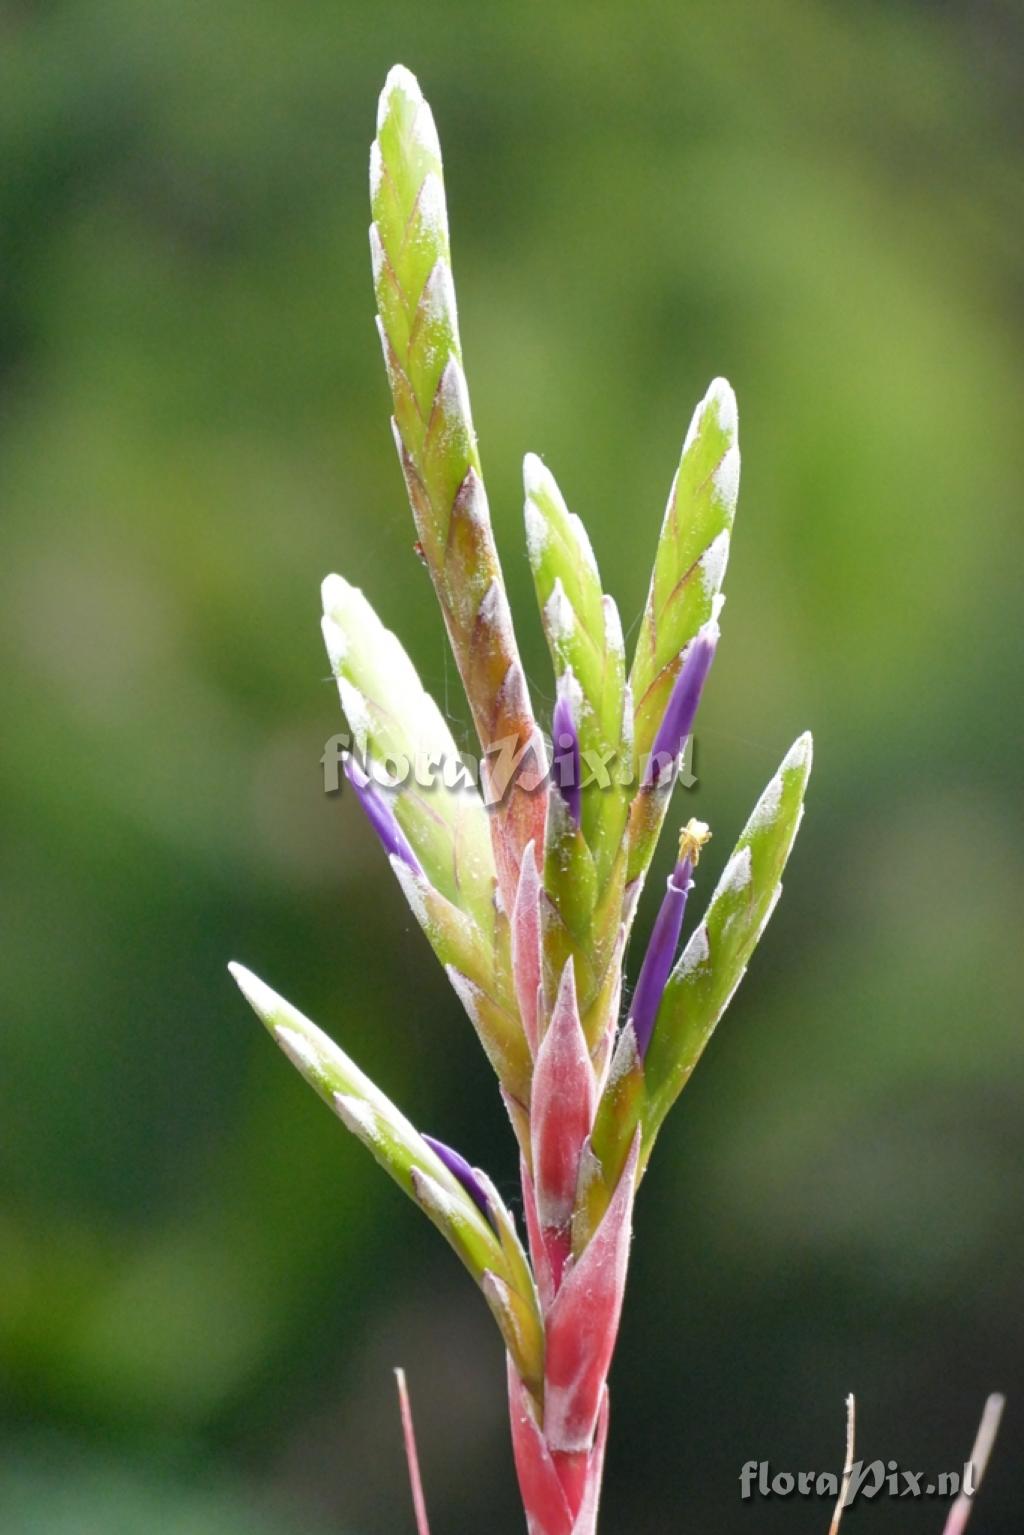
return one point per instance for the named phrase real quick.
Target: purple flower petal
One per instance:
(380, 815)
(460, 1169)
(681, 709)
(664, 940)
(566, 755)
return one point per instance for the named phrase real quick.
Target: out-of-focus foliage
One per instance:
(202, 1284)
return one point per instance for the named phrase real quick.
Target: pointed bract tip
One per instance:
(533, 470)
(801, 753)
(720, 394)
(567, 984)
(535, 474)
(335, 592)
(399, 79)
(257, 993)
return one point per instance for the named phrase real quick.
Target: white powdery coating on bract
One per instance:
(628, 721)
(300, 1051)
(494, 612)
(424, 132)
(736, 875)
(767, 807)
(356, 712)
(772, 903)
(335, 642)
(491, 608)
(720, 394)
(335, 595)
(696, 953)
(260, 997)
(726, 478)
(559, 619)
(376, 255)
(444, 1206)
(540, 482)
(389, 368)
(399, 79)
(358, 1117)
(511, 696)
(376, 170)
(583, 544)
(453, 398)
(438, 297)
(467, 993)
(432, 209)
(579, 705)
(403, 689)
(396, 431)
(713, 562)
(537, 478)
(669, 505)
(473, 506)
(717, 604)
(692, 432)
(614, 641)
(709, 632)
(625, 1058)
(800, 754)
(358, 642)
(733, 989)
(538, 534)
(412, 888)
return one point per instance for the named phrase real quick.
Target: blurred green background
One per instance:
(204, 1283)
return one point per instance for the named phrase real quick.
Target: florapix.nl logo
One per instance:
(506, 761)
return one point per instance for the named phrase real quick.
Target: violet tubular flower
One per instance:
(684, 701)
(380, 815)
(664, 939)
(566, 753)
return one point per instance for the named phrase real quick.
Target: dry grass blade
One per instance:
(844, 1486)
(409, 1435)
(988, 1428)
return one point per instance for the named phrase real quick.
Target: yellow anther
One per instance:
(694, 836)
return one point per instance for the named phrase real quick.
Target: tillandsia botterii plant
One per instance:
(526, 884)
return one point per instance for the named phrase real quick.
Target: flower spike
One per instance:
(526, 884)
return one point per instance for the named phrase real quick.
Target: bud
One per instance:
(460, 1168)
(566, 751)
(681, 711)
(380, 815)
